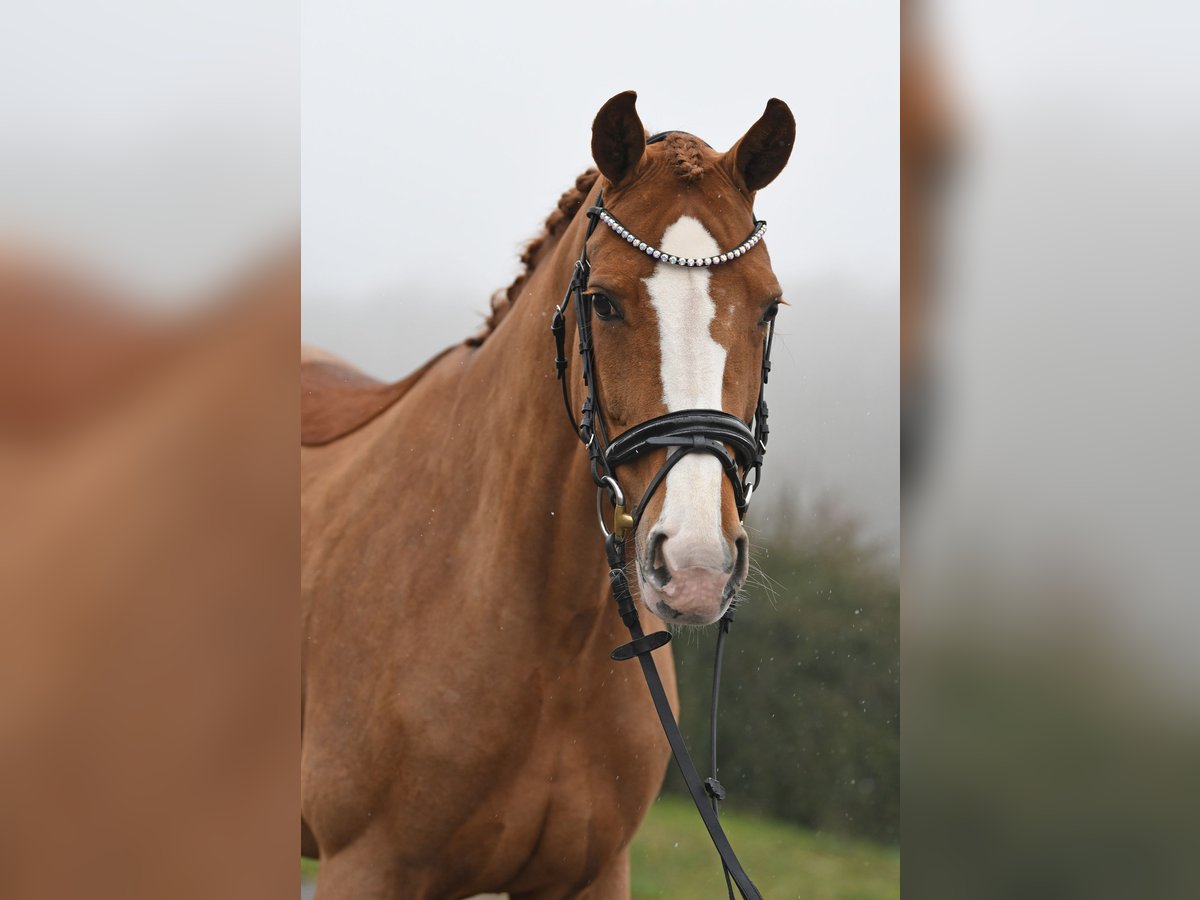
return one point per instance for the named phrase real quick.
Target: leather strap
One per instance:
(704, 800)
(674, 428)
(662, 136)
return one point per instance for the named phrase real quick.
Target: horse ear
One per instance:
(618, 137)
(763, 151)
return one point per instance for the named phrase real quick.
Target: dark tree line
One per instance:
(809, 728)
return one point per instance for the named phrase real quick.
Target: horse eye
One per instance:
(771, 313)
(604, 308)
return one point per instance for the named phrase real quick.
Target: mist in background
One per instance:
(153, 147)
(1051, 679)
(431, 153)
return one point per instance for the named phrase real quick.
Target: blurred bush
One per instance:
(809, 729)
(1036, 767)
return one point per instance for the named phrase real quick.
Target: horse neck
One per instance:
(534, 468)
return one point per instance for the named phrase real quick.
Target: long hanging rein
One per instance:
(687, 431)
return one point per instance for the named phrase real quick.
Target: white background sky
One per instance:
(436, 137)
(154, 143)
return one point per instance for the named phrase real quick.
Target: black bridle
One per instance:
(738, 446)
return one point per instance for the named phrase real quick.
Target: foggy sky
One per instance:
(436, 137)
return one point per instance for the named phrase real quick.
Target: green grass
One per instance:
(674, 859)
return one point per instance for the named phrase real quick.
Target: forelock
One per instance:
(687, 156)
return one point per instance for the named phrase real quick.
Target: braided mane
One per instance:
(687, 156)
(556, 223)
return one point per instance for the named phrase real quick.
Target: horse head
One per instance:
(668, 336)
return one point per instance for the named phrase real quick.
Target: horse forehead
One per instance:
(687, 236)
(675, 291)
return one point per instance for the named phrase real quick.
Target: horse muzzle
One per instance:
(688, 581)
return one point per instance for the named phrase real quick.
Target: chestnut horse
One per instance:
(464, 729)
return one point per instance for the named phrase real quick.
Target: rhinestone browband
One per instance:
(760, 228)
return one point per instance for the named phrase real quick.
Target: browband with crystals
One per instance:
(608, 219)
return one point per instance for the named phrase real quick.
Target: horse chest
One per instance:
(567, 788)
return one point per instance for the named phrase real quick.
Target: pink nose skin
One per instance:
(696, 592)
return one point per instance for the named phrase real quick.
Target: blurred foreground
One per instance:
(147, 559)
(1051, 684)
(149, 291)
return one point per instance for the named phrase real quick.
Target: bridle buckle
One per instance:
(622, 522)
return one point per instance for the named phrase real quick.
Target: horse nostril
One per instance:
(658, 565)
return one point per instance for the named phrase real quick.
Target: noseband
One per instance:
(738, 446)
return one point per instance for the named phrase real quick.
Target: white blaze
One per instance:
(693, 371)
